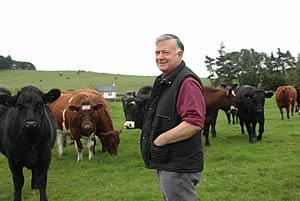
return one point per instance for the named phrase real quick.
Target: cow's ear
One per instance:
(74, 108)
(3, 99)
(133, 94)
(268, 94)
(98, 106)
(6, 99)
(235, 85)
(52, 95)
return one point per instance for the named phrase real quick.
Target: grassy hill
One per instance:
(64, 80)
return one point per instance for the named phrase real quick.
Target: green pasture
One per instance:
(235, 170)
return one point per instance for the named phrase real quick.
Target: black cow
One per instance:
(27, 135)
(298, 100)
(250, 104)
(134, 107)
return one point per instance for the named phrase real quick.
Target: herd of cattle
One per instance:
(245, 102)
(31, 121)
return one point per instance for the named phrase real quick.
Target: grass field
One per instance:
(234, 169)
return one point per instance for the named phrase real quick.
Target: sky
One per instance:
(118, 36)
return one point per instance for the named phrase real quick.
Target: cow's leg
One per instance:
(292, 109)
(60, 143)
(253, 130)
(228, 117)
(103, 144)
(281, 112)
(242, 125)
(233, 117)
(213, 124)
(18, 178)
(250, 131)
(39, 178)
(91, 145)
(261, 129)
(78, 146)
(288, 111)
(206, 132)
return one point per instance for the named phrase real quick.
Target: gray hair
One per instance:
(164, 37)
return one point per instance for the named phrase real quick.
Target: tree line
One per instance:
(7, 63)
(254, 68)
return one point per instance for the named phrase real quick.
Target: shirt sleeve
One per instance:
(190, 103)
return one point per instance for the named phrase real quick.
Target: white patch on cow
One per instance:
(233, 93)
(70, 99)
(129, 124)
(90, 145)
(132, 103)
(86, 107)
(64, 119)
(232, 107)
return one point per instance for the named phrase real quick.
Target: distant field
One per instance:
(65, 80)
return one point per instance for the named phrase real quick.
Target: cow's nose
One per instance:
(87, 127)
(30, 123)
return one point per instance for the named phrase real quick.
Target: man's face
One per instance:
(167, 58)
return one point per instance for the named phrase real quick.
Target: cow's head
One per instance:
(134, 109)
(30, 104)
(111, 141)
(230, 97)
(87, 114)
(256, 99)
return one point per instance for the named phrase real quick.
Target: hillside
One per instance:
(65, 80)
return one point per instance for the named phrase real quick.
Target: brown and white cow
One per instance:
(84, 113)
(75, 114)
(104, 126)
(285, 97)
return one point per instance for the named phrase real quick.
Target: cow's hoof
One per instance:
(251, 141)
(259, 138)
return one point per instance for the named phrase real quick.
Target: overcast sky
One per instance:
(117, 36)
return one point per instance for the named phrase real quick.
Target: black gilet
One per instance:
(161, 115)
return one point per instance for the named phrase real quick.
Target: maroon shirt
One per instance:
(190, 103)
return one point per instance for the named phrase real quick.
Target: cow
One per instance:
(84, 113)
(134, 107)
(109, 137)
(216, 99)
(285, 97)
(27, 135)
(250, 104)
(232, 113)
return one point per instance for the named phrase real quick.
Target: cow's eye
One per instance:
(20, 107)
(39, 105)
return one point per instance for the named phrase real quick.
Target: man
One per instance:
(171, 140)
